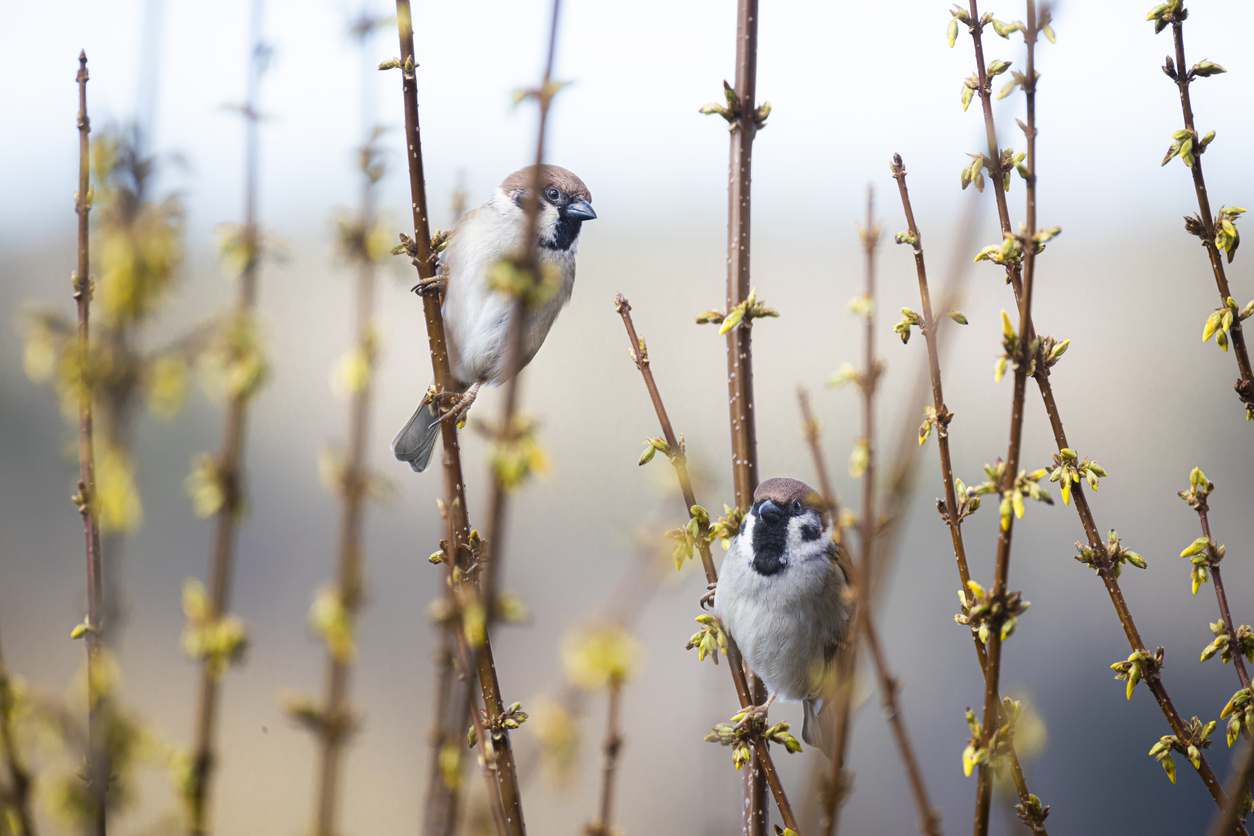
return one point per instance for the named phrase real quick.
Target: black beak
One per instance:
(769, 512)
(581, 210)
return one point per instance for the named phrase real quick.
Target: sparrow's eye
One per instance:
(553, 195)
(796, 506)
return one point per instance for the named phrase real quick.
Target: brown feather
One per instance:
(560, 178)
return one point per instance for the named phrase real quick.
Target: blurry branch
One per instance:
(15, 795)
(1239, 800)
(953, 510)
(1218, 232)
(459, 551)
(603, 656)
(861, 464)
(929, 817)
(337, 608)
(98, 768)
(1106, 557)
(213, 637)
(515, 453)
(672, 446)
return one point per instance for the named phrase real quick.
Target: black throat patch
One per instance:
(769, 543)
(564, 232)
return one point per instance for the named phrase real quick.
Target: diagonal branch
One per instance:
(640, 355)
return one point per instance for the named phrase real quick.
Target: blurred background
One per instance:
(850, 84)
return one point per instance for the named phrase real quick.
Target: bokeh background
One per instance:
(850, 84)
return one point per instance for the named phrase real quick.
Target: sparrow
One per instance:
(781, 596)
(477, 317)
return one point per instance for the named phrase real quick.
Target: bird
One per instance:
(782, 597)
(476, 316)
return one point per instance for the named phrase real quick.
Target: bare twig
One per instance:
(640, 354)
(230, 460)
(929, 817)
(97, 754)
(1102, 562)
(954, 509)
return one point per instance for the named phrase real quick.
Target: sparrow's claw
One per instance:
(457, 410)
(707, 600)
(756, 711)
(434, 285)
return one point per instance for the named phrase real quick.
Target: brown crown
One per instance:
(551, 175)
(783, 491)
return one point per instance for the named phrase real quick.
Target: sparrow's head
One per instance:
(565, 202)
(786, 525)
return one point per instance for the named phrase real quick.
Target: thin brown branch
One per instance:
(498, 764)
(847, 663)
(1183, 77)
(929, 817)
(1105, 570)
(992, 672)
(230, 460)
(1238, 659)
(739, 340)
(609, 749)
(97, 754)
(953, 510)
(735, 665)
(353, 488)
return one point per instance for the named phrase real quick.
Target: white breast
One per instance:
(476, 317)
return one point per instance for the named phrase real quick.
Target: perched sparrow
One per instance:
(476, 318)
(781, 595)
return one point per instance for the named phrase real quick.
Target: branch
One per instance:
(1238, 795)
(228, 467)
(929, 817)
(1245, 384)
(954, 510)
(97, 758)
(640, 355)
(498, 767)
(353, 487)
(610, 748)
(1096, 543)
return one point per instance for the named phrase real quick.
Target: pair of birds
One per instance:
(782, 593)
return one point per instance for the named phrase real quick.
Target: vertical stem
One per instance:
(498, 759)
(953, 518)
(97, 755)
(640, 354)
(230, 461)
(992, 697)
(739, 340)
(835, 795)
(1245, 386)
(354, 487)
(613, 742)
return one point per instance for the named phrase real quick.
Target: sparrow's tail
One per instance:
(417, 439)
(816, 728)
